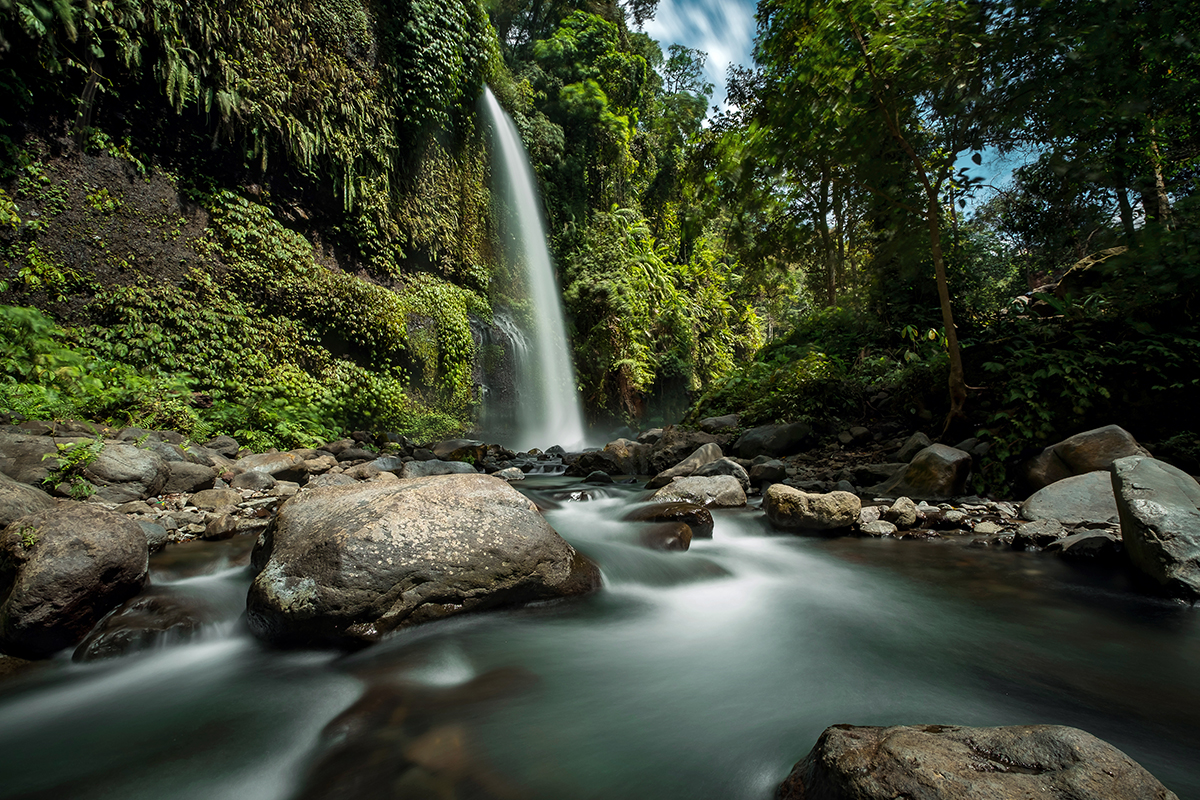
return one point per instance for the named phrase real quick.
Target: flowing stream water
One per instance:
(548, 408)
(702, 674)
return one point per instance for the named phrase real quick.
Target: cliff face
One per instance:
(284, 203)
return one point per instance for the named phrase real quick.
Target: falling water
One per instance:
(548, 409)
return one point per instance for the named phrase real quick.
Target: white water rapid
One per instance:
(548, 408)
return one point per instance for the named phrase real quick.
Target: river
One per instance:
(703, 674)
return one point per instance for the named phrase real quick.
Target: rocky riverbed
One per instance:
(347, 543)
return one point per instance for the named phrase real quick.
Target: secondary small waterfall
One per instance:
(548, 408)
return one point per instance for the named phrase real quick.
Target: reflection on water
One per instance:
(698, 674)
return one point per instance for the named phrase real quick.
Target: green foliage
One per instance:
(29, 537)
(72, 459)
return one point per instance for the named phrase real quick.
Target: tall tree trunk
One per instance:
(822, 223)
(958, 383)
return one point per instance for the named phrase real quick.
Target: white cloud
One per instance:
(724, 29)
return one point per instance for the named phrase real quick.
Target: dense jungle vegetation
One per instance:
(273, 218)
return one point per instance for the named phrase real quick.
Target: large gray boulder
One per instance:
(282, 466)
(674, 446)
(61, 571)
(1079, 454)
(725, 466)
(596, 461)
(938, 472)
(1159, 508)
(948, 762)
(19, 499)
(791, 509)
(912, 445)
(704, 454)
(719, 491)
(424, 469)
(773, 440)
(718, 424)
(124, 472)
(696, 517)
(1081, 498)
(345, 565)
(184, 477)
(23, 457)
(460, 450)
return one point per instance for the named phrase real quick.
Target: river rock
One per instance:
(936, 473)
(1081, 498)
(460, 450)
(510, 474)
(593, 461)
(650, 437)
(767, 472)
(718, 424)
(912, 445)
(23, 457)
(211, 499)
(18, 500)
(696, 517)
(773, 440)
(948, 762)
(725, 466)
(1090, 545)
(631, 458)
(792, 509)
(329, 479)
(704, 454)
(676, 445)
(226, 446)
(124, 472)
(1159, 508)
(666, 536)
(185, 477)
(720, 491)
(1038, 534)
(254, 480)
(61, 571)
(153, 618)
(346, 565)
(281, 466)
(878, 528)
(902, 513)
(598, 477)
(1079, 454)
(424, 469)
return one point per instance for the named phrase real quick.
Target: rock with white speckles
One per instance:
(345, 565)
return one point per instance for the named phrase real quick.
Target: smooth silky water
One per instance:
(702, 674)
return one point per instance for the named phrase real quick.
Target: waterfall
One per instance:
(548, 408)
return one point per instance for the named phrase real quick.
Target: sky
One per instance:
(724, 29)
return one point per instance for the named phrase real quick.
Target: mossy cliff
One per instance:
(266, 216)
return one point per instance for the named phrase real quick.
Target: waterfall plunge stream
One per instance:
(548, 408)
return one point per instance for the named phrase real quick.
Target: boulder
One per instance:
(704, 454)
(676, 445)
(329, 479)
(1159, 508)
(593, 461)
(725, 466)
(346, 565)
(650, 437)
(19, 499)
(510, 474)
(767, 472)
(718, 424)
(281, 466)
(255, 480)
(773, 440)
(902, 513)
(152, 619)
(666, 536)
(424, 469)
(878, 528)
(123, 472)
(61, 571)
(598, 477)
(948, 762)
(356, 454)
(936, 473)
(459, 450)
(629, 456)
(1091, 545)
(1079, 454)
(696, 517)
(22, 457)
(720, 491)
(1038, 534)
(912, 445)
(210, 499)
(1081, 498)
(224, 445)
(792, 509)
(184, 477)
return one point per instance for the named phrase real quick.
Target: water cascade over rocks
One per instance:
(548, 410)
